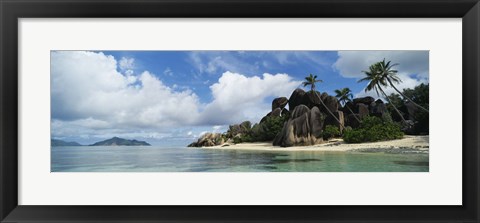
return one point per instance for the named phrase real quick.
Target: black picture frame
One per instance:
(12, 10)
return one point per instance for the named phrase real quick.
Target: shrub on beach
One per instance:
(268, 129)
(330, 132)
(373, 129)
(265, 131)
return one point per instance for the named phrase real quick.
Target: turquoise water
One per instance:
(160, 159)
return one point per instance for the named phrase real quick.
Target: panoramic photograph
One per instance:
(239, 111)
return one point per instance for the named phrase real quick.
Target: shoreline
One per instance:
(408, 144)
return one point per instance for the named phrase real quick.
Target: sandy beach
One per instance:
(408, 143)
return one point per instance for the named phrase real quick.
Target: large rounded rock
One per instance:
(403, 111)
(316, 122)
(411, 110)
(303, 128)
(349, 108)
(331, 103)
(297, 98)
(337, 121)
(276, 112)
(363, 110)
(312, 99)
(324, 96)
(378, 108)
(365, 100)
(299, 111)
(280, 102)
(208, 139)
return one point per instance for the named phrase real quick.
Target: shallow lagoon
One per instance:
(181, 159)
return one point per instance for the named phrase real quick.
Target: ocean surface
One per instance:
(183, 159)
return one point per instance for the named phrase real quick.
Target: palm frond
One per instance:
(364, 79)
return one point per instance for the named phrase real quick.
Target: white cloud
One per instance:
(168, 71)
(254, 62)
(216, 128)
(126, 63)
(219, 62)
(92, 98)
(413, 66)
(87, 85)
(293, 57)
(238, 97)
(352, 63)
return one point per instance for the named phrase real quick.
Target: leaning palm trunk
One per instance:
(353, 113)
(391, 84)
(388, 99)
(331, 113)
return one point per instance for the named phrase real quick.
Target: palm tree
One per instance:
(345, 95)
(311, 80)
(375, 82)
(390, 75)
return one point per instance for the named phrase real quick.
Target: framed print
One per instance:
(239, 111)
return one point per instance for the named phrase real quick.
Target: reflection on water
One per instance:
(413, 163)
(158, 159)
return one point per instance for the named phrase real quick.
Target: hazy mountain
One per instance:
(57, 142)
(115, 141)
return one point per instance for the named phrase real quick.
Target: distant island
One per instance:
(116, 141)
(57, 142)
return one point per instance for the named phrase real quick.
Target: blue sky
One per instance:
(172, 97)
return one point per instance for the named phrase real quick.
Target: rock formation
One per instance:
(296, 98)
(362, 107)
(238, 130)
(304, 127)
(339, 116)
(280, 102)
(209, 139)
(278, 109)
(310, 112)
(378, 108)
(365, 100)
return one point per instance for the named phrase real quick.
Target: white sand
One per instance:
(408, 142)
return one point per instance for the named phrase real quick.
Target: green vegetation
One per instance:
(411, 104)
(116, 141)
(420, 95)
(376, 80)
(345, 95)
(265, 131)
(382, 74)
(390, 75)
(57, 142)
(373, 129)
(331, 131)
(311, 80)
(396, 102)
